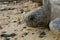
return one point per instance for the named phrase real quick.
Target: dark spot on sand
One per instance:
(1, 27)
(42, 34)
(8, 17)
(11, 8)
(7, 38)
(25, 34)
(15, 30)
(21, 10)
(21, 30)
(33, 33)
(28, 29)
(8, 35)
(24, 27)
(26, 6)
(15, 38)
(14, 21)
(5, 35)
(4, 32)
(19, 22)
(22, 36)
(13, 34)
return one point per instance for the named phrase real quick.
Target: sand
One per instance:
(11, 22)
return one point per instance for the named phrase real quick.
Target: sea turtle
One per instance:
(55, 27)
(40, 16)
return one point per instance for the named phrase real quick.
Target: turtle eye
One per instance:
(32, 18)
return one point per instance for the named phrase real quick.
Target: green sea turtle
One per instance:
(39, 16)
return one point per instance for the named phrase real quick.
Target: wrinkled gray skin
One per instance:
(55, 25)
(39, 16)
